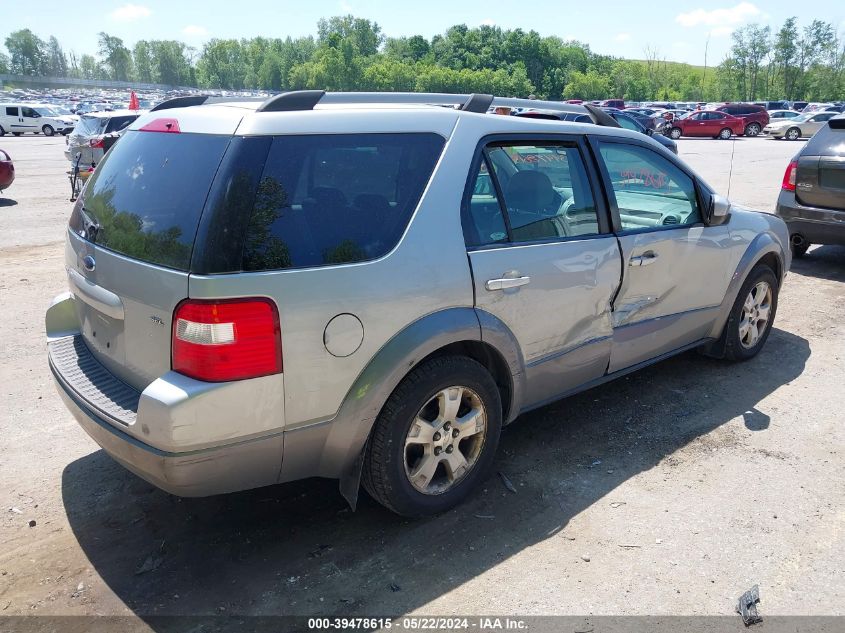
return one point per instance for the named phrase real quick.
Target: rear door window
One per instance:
(336, 199)
(12, 111)
(147, 194)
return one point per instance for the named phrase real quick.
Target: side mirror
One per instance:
(718, 211)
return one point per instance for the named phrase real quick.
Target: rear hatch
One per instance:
(820, 181)
(129, 248)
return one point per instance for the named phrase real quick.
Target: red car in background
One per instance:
(619, 104)
(754, 117)
(7, 170)
(707, 123)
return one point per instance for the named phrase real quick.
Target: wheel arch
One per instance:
(334, 448)
(765, 249)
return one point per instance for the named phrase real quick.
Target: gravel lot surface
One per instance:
(670, 491)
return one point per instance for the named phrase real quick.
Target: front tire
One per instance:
(675, 133)
(435, 439)
(752, 129)
(725, 134)
(48, 130)
(752, 315)
(2, 131)
(793, 134)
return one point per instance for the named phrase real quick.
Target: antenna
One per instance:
(731, 171)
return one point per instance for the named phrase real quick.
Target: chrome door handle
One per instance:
(507, 282)
(646, 259)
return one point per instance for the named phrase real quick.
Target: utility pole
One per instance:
(704, 74)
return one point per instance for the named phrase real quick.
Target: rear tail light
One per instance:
(96, 144)
(789, 176)
(233, 339)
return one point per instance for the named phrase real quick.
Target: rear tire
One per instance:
(725, 134)
(48, 130)
(752, 315)
(418, 426)
(793, 134)
(675, 133)
(752, 129)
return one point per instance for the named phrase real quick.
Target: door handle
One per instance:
(506, 282)
(646, 259)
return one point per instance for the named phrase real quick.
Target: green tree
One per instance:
(27, 53)
(116, 57)
(589, 85)
(142, 58)
(56, 63)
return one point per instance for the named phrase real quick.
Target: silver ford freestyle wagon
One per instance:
(367, 287)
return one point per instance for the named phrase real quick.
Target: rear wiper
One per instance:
(89, 224)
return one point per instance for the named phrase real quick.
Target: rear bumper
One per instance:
(818, 226)
(238, 465)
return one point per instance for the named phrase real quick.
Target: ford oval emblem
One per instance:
(89, 262)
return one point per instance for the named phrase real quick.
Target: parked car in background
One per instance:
(773, 105)
(25, 118)
(88, 138)
(65, 122)
(623, 118)
(712, 123)
(812, 197)
(799, 105)
(754, 117)
(254, 299)
(779, 115)
(804, 125)
(7, 170)
(814, 106)
(613, 103)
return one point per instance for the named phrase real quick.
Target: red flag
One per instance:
(133, 101)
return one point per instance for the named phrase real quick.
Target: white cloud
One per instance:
(720, 18)
(345, 7)
(488, 22)
(622, 37)
(194, 30)
(129, 12)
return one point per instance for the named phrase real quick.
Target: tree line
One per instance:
(350, 53)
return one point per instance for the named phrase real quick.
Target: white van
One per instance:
(21, 118)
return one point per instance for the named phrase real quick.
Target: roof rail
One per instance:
(180, 102)
(478, 103)
(298, 100)
(292, 101)
(195, 100)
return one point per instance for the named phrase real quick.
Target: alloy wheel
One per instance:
(756, 312)
(793, 134)
(445, 440)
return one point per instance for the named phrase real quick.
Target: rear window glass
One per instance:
(91, 125)
(146, 196)
(334, 199)
(117, 123)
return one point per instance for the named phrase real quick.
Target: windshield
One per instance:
(802, 117)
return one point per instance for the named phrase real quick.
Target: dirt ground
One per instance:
(670, 491)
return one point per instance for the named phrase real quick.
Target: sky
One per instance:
(679, 31)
